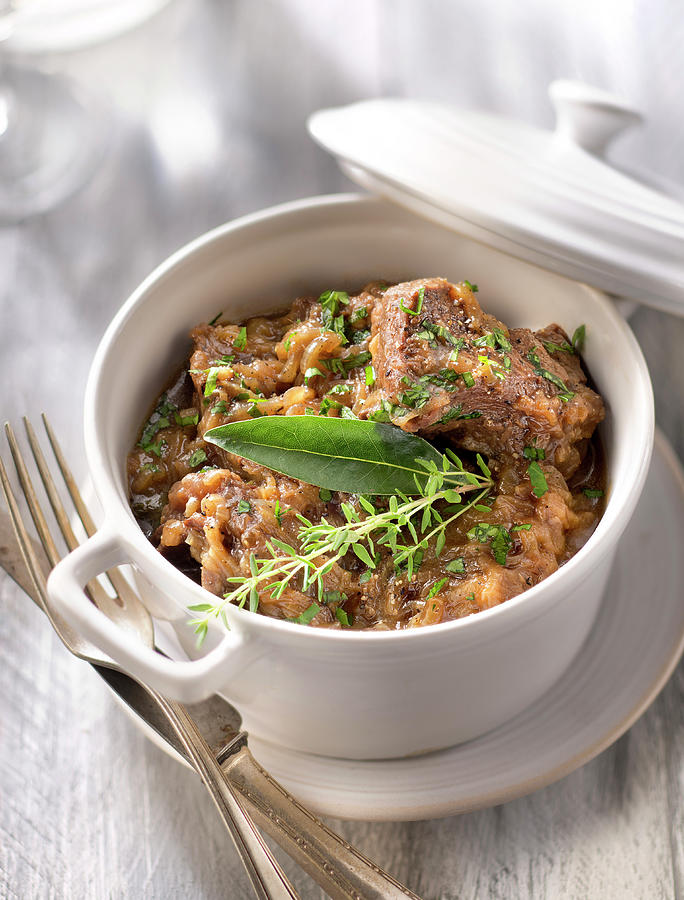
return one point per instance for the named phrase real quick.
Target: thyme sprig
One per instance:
(407, 527)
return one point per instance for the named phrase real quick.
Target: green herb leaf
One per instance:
(457, 566)
(534, 453)
(578, 338)
(419, 304)
(325, 495)
(538, 479)
(350, 455)
(591, 493)
(240, 341)
(496, 536)
(312, 373)
(310, 613)
(244, 506)
(552, 347)
(436, 588)
(343, 617)
(565, 395)
(473, 287)
(429, 331)
(197, 457)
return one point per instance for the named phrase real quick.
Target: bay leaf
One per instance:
(350, 455)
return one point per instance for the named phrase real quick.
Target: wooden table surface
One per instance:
(205, 109)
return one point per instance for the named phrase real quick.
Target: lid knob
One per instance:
(588, 116)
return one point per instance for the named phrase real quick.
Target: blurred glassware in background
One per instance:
(57, 26)
(52, 133)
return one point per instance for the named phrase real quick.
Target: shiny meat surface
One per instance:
(424, 356)
(445, 367)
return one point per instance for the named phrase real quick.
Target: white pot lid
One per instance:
(548, 197)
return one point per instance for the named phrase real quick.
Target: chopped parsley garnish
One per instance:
(331, 301)
(382, 414)
(458, 345)
(240, 341)
(278, 513)
(534, 453)
(358, 315)
(370, 376)
(328, 403)
(254, 411)
(578, 337)
(312, 372)
(244, 506)
(496, 536)
(325, 495)
(537, 478)
(415, 397)
(457, 566)
(339, 389)
(471, 597)
(158, 420)
(186, 420)
(473, 287)
(591, 493)
(365, 576)
(156, 447)
(564, 393)
(429, 331)
(468, 379)
(288, 341)
(310, 613)
(197, 457)
(445, 378)
(359, 359)
(358, 337)
(343, 366)
(525, 527)
(150, 467)
(335, 596)
(343, 617)
(455, 413)
(210, 384)
(436, 588)
(419, 304)
(551, 347)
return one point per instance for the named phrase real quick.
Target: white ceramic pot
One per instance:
(350, 694)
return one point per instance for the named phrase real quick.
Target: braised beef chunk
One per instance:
(444, 367)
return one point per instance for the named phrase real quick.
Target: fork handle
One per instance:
(268, 879)
(340, 869)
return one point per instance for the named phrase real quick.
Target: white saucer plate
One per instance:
(630, 654)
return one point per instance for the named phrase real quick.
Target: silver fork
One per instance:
(125, 608)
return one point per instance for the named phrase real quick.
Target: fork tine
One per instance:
(39, 520)
(26, 548)
(117, 580)
(69, 479)
(50, 488)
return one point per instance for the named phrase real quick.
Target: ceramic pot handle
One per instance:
(188, 682)
(588, 116)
